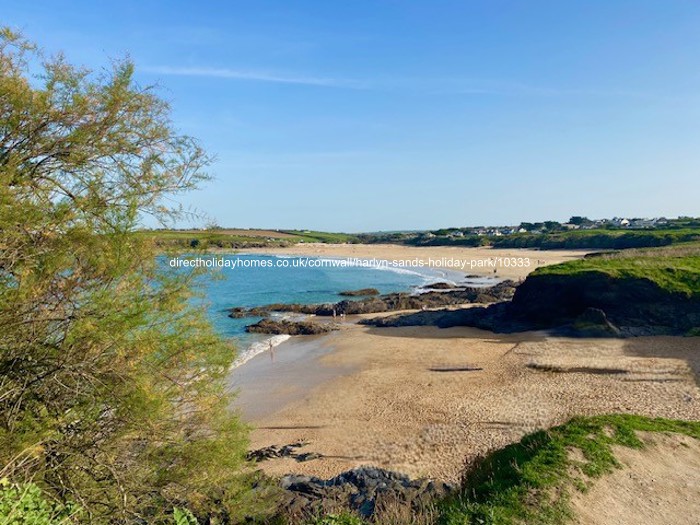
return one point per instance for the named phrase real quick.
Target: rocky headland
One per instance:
(608, 295)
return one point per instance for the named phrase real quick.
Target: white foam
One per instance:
(258, 348)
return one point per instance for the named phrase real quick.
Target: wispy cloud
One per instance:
(256, 76)
(416, 85)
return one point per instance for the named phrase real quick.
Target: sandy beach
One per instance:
(423, 400)
(477, 261)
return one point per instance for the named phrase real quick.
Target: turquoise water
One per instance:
(257, 286)
(258, 280)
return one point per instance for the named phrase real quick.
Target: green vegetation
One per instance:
(112, 389)
(26, 505)
(208, 239)
(238, 239)
(184, 517)
(548, 235)
(675, 270)
(531, 481)
(597, 239)
(314, 236)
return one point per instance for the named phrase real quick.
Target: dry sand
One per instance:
(422, 400)
(435, 254)
(657, 484)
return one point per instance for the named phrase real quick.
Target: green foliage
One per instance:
(26, 505)
(236, 239)
(549, 235)
(531, 481)
(325, 237)
(112, 390)
(204, 240)
(184, 517)
(597, 239)
(467, 241)
(674, 270)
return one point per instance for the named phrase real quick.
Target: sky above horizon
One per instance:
(397, 115)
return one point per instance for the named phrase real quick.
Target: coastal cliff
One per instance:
(637, 305)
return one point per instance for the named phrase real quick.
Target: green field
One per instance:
(598, 239)
(241, 238)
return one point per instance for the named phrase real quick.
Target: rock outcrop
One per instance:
(364, 490)
(283, 326)
(637, 306)
(502, 291)
(592, 304)
(360, 293)
(441, 285)
(284, 451)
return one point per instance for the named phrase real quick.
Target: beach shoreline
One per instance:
(481, 261)
(423, 400)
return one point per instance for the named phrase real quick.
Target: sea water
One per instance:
(257, 280)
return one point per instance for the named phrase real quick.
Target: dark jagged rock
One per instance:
(494, 318)
(592, 323)
(263, 311)
(360, 293)
(283, 326)
(502, 291)
(548, 301)
(285, 451)
(363, 490)
(440, 286)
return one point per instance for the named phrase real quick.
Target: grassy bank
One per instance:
(533, 480)
(674, 269)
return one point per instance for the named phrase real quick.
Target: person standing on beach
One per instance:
(272, 352)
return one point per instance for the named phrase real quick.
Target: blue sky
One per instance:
(387, 115)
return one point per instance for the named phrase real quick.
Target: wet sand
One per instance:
(273, 380)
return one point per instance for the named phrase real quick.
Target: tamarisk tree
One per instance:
(111, 380)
